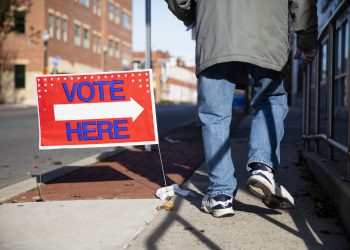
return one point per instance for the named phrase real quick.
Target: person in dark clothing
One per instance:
(235, 38)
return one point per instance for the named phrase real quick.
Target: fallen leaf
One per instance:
(167, 206)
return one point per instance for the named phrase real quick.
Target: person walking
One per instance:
(234, 39)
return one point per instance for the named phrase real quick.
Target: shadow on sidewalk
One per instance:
(253, 226)
(304, 228)
(133, 173)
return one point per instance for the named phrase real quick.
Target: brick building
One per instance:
(173, 80)
(84, 36)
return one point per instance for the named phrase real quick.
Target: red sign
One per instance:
(96, 110)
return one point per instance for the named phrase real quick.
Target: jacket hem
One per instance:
(238, 58)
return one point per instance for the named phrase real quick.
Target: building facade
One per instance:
(173, 80)
(73, 36)
(342, 43)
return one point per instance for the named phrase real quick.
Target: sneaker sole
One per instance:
(271, 200)
(219, 213)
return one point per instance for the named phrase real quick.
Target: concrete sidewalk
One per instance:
(73, 225)
(254, 226)
(101, 206)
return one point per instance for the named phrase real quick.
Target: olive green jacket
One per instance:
(251, 31)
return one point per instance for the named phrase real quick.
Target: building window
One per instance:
(324, 67)
(99, 7)
(98, 45)
(50, 25)
(116, 49)
(20, 76)
(58, 28)
(110, 11)
(341, 63)
(342, 48)
(339, 48)
(116, 15)
(126, 62)
(84, 3)
(86, 38)
(64, 30)
(125, 21)
(94, 43)
(94, 7)
(110, 47)
(19, 21)
(77, 40)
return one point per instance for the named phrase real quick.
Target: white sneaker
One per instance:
(218, 206)
(262, 184)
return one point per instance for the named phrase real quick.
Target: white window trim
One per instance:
(64, 34)
(58, 27)
(110, 14)
(75, 41)
(117, 6)
(86, 43)
(51, 29)
(117, 48)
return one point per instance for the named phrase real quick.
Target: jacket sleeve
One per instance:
(304, 22)
(184, 10)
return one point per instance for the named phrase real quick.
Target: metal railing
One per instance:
(312, 76)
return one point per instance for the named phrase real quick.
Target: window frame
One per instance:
(86, 40)
(19, 24)
(126, 20)
(64, 26)
(117, 14)
(75, 35)
(110, 47)
(111, 11)
(51, 24)
(58, 27)
(116, 49)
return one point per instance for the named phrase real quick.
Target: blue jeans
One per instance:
(216, 93)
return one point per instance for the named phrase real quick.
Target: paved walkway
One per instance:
(254, 226)
(135, 223)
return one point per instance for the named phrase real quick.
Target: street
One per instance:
(20, 155)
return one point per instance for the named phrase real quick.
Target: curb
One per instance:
(330, 179)
(11, 191)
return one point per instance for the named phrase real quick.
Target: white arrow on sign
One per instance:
(103, 110)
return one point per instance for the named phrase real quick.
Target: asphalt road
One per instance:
(19, 153)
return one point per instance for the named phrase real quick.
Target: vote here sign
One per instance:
(96, 110)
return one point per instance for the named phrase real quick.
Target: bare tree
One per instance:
(7, 8)
(7, 22)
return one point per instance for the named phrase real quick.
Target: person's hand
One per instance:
(309, 55)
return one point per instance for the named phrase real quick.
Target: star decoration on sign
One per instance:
(44, 82)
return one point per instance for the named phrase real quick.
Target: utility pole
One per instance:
(148, 63)
(45, 37)
(148, 56)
